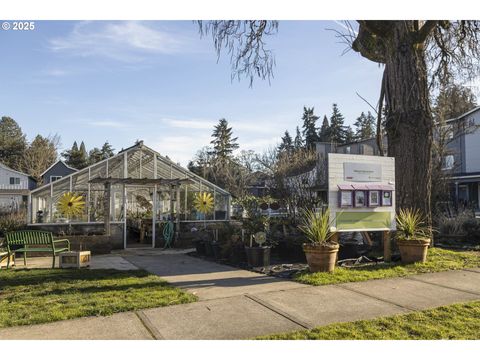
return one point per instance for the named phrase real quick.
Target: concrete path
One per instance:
(238, 304)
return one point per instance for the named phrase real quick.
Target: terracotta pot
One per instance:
(412, 251)
(321, 258)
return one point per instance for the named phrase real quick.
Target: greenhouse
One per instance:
(138, 188)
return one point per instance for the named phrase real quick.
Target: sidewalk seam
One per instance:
(278, 311)
(376, 298)
(153, 331)
(444, 286)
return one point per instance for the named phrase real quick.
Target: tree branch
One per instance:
(369, 45)
(421, 35)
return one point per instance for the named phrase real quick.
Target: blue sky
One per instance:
(160, 82)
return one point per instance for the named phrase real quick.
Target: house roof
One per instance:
(475, 109)
(55, 163)
(16, 171)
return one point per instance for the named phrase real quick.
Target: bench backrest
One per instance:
(29, 237)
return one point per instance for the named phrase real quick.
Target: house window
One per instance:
(54, 178)
(448, 162)
(14, 181)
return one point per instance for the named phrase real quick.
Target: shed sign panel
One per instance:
(362, 172)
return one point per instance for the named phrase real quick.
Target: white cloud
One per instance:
(127, 41)
(190, 124)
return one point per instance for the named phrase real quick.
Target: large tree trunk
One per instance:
(409, 122)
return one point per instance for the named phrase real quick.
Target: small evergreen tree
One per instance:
(349, 135)
(324, 135)
(95, 155)
(337, 127)
(298, 142)
(13, 143)
(223, 141)
(286, 146)
(309, 131)
(76, 157)
(365, 126)
(107, 150)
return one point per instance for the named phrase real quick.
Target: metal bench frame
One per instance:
(27, 238)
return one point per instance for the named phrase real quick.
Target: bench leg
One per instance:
(8, 260)
(53, 263)
(25, 258)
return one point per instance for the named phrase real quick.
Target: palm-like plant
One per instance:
(317, 226)
(411, 225)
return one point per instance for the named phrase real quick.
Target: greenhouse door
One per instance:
(139, 217)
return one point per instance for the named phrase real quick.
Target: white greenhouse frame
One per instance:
(136, 162)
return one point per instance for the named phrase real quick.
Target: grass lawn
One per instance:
(459, 321)
(437, 260)
(45, 295)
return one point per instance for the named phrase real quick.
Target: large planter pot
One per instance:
(321, 258)
(258, 256)
(412, 251)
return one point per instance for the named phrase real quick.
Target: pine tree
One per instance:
(337, 127)
(349, 135)
(309, 131)
(298, 142)
(13, 143)
(324, 135)
(365, 126)
(107, 150)
(76, 157)
(223, 142)
(95, 155)
(286, 146)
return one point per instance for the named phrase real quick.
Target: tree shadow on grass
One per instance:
(26, 277)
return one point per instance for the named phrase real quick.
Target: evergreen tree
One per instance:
(286, 146)
(95, 155)
(76, 157)
(107, 150)
(309, 130)
(365, 126)
(337, 127)
(298, 142)
(452, 101)
(223, 142)
(13, 143)
(349, 135)
(324, 134)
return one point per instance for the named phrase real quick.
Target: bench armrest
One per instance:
(62, 240)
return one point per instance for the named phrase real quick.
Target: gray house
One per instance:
(57, 171)
(15, 187)
(463, 158)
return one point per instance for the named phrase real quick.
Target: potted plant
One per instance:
(412, 236)
(258, 253)
(322, 248)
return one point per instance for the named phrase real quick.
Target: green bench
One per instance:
(25, 241)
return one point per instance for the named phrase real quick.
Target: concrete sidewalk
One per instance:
(238, 304)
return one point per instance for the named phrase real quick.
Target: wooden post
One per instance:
(177, 225)
(387, 246)
(106, 210)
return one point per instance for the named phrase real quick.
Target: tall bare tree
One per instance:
(40, 154)
(416, 54)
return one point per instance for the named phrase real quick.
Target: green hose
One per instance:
(168, 234)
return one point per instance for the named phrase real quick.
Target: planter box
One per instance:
(74, 259)
(258, 256)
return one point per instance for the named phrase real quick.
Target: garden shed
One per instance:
(140, 190)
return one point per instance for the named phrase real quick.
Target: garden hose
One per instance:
(168, 234)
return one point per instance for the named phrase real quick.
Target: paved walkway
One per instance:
(238, 304)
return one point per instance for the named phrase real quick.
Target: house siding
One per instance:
(59, 169)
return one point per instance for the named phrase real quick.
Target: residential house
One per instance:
(463, 158)
(15, 188)
(57, 171)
